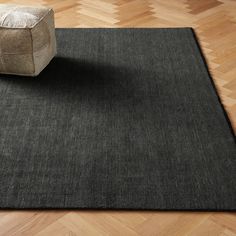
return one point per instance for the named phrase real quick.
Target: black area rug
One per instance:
(120, 119)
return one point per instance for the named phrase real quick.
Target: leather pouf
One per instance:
(27, 39)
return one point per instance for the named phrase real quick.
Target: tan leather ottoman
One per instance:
(27, 39)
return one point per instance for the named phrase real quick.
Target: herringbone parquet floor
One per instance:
(215, 25)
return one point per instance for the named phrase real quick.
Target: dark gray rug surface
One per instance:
(120, 119)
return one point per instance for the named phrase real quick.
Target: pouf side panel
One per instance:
(13, 41)
(16, 51)
(44, 42)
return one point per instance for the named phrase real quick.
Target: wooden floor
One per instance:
(215, 25)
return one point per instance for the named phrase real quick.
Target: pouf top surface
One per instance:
(20, 16)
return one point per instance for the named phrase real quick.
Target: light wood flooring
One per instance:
(215, 24)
